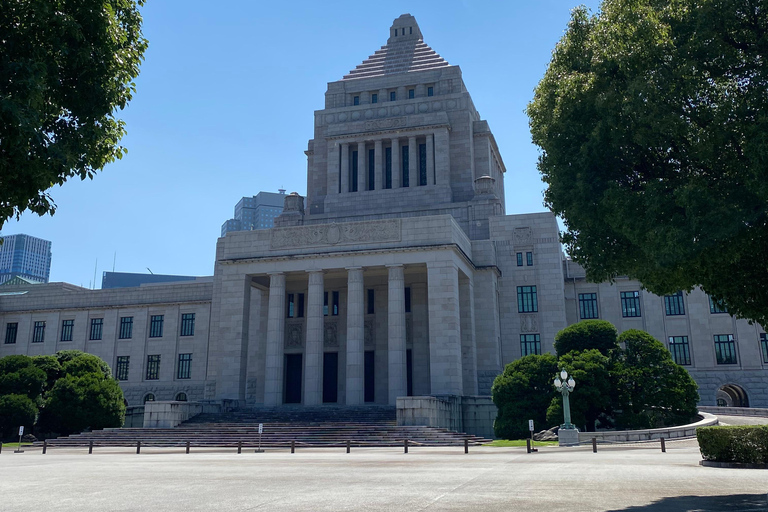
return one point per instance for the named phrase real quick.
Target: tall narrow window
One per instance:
(530, 344)
(678, 346)
(519, 259)
(725, 349)
(587, 306)
(764, 346)
(187, 324)
(335, 304)
(527, 299)
(630, 304)
(392, 96)
(430, 91)
(370, 301)
(529, 259)
(38, 334)
(291, 309)
(123, 363)
(153, 367)
(356, 100)
(126, 327)
(353, 173)
(156, 326)
(404, 161)
(674, 305)
(411, 94)
(300, 306)
(325, 303)
(422, 165)
(97, 325)
(185, 365)
(374, 98)
(407, 299)
(388, 168)
(66, 329)
(11, 330)
(371, 169)
(716, 307)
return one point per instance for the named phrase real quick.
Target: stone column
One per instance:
(355, 336)
(313, 353)
(396, 163)
(444, 329)
(362, 174)
(332, 181)
(442, 158)
(430, 159)
(413, 162)
(344, 168)
(273, 374)
(468, 346)
(378, 158)
(396, 334)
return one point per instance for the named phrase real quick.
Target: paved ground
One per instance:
(741, 420)
(639, 479)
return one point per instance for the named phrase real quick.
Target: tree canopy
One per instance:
(65, 68)
(586, 335)
(652, 119)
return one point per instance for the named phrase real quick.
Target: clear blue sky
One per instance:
(224, 109)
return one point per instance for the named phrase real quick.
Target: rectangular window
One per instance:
(407, 299)
(529, 259)
(405, 181)
(185, 364)
(587, 306)
(430, 91)
(764, 346)
(300, 306)
(411, 94)
(725, 349)
(371, 169)
(422, 165)
(374, 98)
(519, 259)
(38, 334)
(187, 324)
(388, 168)
(11, 330)
(392, 96)
(716, 307)
(96, 327)
(678, 346)
(674, 305)
(370, 301)
(335, 304)
(123, 362)
(527, 300)
(66, 329)
(325, 303)
(291, 307)
(530, 344)
(153, 367)
(356, 100)
(156, 326)
(630, 304)
(126, 327)
(353, 174)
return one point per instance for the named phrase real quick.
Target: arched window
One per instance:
(149, 397)
(181, 397)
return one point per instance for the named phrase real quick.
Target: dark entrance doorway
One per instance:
(732, 395)
(330, 377)
(368, 376)
(292, 389)
(409, 372)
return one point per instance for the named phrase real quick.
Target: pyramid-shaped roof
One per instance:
(404, 52)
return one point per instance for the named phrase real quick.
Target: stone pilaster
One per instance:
(362, 174)
(344, 168)
(396, 166)
(468, 347)
(355, 336)
(273, 374)
(430, 159)
(332, 182)
(378, 158)
(444, 329)
(413, 162)
(396, 334)
(442, 157)
(313, 353)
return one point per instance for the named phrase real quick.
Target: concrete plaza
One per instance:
(617, 478)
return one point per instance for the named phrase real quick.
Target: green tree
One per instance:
(50, 365)
(651, 118)
(19, 376)
(65, 68)
(522, 392)
(587, 335)
(15, 411)
(653, 390)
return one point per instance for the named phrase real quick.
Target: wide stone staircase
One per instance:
(282, 426)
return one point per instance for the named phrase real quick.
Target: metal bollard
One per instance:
(239, 447)
(187, 446)
(90, 447)
(466, 445)
(138, 447)
(1, 447)
(594, 445)
(348, 443)
(293, 446)
(45, 446)
(405, 445)
(663, 446)
(528, 445)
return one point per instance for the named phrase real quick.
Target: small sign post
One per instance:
(261, 429)
(530, 427)
(21, 433)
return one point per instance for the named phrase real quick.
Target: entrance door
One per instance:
(330, 377)
(292, 389)
(368, 376)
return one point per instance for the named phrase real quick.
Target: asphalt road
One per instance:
(378, 479)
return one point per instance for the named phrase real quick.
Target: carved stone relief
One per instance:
(522, 236)
(294, 334)
(250, 388)
(529, 323)
(384, 124)
(333, 234)
(331, 334)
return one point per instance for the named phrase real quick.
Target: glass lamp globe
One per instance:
(558, 383)
(571, 383)
(563, 374)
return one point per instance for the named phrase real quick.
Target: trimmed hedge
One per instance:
(745, 444)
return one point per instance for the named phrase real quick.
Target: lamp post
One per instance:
(568, 433)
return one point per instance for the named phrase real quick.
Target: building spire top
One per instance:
(404, 28)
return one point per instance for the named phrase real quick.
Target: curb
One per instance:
(735, 465)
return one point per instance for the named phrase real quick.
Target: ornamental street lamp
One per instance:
(565, 384)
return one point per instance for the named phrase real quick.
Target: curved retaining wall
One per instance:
(735, 411)
(707, 420)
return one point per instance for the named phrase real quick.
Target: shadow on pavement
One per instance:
(730, 503)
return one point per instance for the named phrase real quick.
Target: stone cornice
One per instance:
(353, 137)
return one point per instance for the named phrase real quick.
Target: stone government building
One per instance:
(399, 274)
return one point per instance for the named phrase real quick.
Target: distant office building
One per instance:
(129, 280)
(25, 256)
(257, 212)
